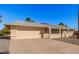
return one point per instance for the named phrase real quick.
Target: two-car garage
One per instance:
(28, 32)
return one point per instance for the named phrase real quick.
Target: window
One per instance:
(55, 31)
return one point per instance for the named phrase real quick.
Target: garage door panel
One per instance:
(28, 34)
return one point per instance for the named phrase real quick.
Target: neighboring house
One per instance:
(31, 30)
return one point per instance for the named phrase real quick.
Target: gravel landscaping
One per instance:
(71, 41)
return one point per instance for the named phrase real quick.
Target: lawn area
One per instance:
(72, 41)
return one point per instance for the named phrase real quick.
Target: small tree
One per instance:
(62, 24)
(29, 20)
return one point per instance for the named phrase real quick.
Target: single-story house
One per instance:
(32, 30)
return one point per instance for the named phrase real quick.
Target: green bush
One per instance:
(1, 34)
(6, 31)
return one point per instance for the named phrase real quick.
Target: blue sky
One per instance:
(50, 13)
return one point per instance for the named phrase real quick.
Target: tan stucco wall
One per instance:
(55, 36)
(66, 34)
(52, 36)
(71, 33)
(58, 35)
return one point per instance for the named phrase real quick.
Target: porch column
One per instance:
(42, 33)
(13, 32)
(49, 32)
(68, 33)
(61, 32)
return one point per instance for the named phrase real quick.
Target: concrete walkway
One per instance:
(42, 46)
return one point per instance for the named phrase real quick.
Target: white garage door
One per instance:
(28, 34)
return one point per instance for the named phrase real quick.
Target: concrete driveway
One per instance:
(4, 45)
(42, 46)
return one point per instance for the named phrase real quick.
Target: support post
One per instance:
(13, 32)
(49, 32)
(61, 32)
(42, 33)
(68, 33)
